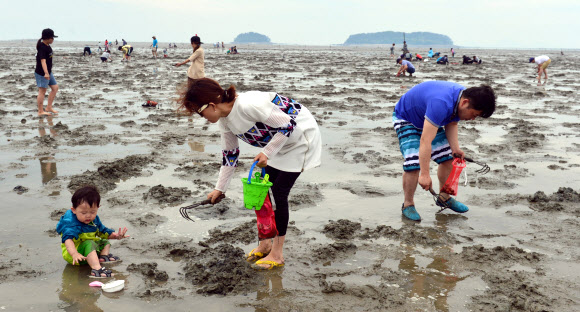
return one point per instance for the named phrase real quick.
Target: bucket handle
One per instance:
(252, 170)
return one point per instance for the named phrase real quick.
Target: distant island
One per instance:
(252, 37)
(389, 37)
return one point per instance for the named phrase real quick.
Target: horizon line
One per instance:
(336, 44)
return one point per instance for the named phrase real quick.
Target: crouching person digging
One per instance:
(425, 119)
(285, 130)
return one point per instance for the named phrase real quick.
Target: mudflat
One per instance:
(347, 247)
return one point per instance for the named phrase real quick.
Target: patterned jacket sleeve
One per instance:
(230, 156)
(284, 125)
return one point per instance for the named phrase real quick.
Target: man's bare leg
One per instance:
(410, 180)
(443, 171)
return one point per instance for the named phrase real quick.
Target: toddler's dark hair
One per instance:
(88, 194)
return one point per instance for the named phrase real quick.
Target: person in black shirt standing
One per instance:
(43, 72)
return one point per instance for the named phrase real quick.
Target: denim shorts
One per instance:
(410, 70)
(41, 82)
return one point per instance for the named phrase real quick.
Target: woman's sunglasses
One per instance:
(201, 109)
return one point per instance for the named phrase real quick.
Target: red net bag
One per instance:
(266, 220)
(452, 183)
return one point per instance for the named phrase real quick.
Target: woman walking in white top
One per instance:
(196, 69)
(285, 130)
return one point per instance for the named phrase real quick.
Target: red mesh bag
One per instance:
(452, 183)
(266, 220)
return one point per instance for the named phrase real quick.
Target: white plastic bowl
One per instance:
(113, 286)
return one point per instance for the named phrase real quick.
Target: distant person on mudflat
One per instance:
(127, 50)
(543, 62)
(106, 56)
(452, 52)
(124, 42)
(426, 122)
(87, 50)
(393, 50)
(467, 60)
(443, 60)
(430, 53)
(286, 132)
(43, 72)
(418, 57)
(405, 50)
(476, 60)
(154, 46)
(196, 69)
(406, 67)
(116, 42)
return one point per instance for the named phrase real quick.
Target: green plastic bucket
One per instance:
(256, 189)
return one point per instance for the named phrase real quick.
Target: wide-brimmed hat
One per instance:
(48, 33)
(195, 39)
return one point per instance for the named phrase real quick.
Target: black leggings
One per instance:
(283, 182)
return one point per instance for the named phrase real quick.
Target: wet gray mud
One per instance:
(347, 247)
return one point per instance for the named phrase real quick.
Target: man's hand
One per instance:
(458, 154)
(120, 234)
(262, 160)
(425, 182)
(177, 64)
(47, 76)
(78, 258)
(214, 196)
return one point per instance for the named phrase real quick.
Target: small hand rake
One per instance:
(439, 200)
(183, 210)
(484, 167)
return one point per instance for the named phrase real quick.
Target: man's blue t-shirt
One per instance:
(155, 43)
(435, 101)
(409, 65)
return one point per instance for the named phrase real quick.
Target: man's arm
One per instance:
(453, 138)
(429, 132)
(402, 70)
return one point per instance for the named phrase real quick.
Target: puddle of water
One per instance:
(460, 296)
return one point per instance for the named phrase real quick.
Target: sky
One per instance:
(492, 23)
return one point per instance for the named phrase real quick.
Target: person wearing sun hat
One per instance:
(196, 69)
(543, 62)
(43, 72)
